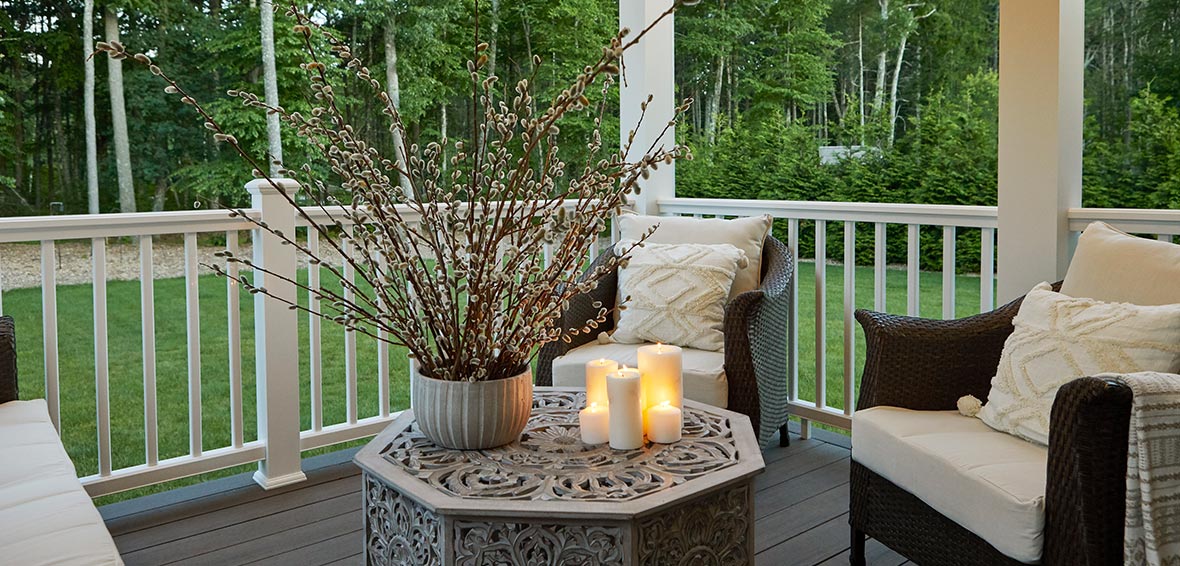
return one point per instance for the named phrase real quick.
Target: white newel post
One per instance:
(1040, 160)
(650, 69)
(276, 339)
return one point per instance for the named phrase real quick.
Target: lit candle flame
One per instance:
(665, 403)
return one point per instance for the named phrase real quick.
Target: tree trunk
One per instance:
(882, 57)
(715, 103)
(442, 133)
(159, 194)
(893, 88)
(395, 97)
(119, 117)
(493, 32)
(88, 108)
(860, 77)
(270, 86)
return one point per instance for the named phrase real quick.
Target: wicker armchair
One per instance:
(910, 364)
(755, 340)
(8, 385)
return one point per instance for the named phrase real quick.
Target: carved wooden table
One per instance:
(548, 499)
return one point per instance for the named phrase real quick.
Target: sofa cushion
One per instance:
(677, 294)
(991, 483)
(47, 516)
(1058, 338)
(1115, 267)
(746, 234)
(704, 372)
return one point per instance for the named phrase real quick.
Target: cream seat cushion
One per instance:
(747, 234)
(704, 372)
(1058, 338)
(991, 483)
(1115, 267)
(46, 516)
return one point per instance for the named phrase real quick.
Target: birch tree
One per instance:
(88, 107)
(270, 85)
(393, 87)
(119, 116)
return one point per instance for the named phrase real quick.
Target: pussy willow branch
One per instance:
(482, 305)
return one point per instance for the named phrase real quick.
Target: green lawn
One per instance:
(76, 368)
(930, 302)
(76, 351)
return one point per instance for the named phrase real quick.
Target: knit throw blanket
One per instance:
(1152, 536)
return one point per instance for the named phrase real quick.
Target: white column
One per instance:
(650, 69)
(276, 338)
(1040, 160)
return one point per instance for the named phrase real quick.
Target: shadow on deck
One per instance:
(801, 510)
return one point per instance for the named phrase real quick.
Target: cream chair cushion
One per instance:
(1058, 338)
(747, 234)
(46, 516)
(1116, 267)
(704, 372)
(677, 293)
(991, 483)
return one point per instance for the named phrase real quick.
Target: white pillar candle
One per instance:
(594, 421)
(664, 423)
(662, 374)
(625, 393)
(596, 372)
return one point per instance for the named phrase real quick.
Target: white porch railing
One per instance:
(830, 407)
(950, 220)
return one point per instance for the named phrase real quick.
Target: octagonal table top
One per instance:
(550, 471)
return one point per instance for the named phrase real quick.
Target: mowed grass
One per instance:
(77, 370)
(967, 292)
(77, 375)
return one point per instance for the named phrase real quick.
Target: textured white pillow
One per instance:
(1116, 267)
(1058, 338)
(678, 294)
(746, 234)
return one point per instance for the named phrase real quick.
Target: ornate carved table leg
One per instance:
(398, 531)
(716, 530)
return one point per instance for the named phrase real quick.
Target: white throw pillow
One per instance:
(1116, 267)
(678, 294)
(1058, 338)
(746, 234)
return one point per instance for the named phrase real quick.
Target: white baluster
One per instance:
(102, 385)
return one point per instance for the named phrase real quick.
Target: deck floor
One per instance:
(801, 509)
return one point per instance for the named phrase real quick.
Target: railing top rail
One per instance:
(890, 213)
(81, 226)
(1139, 221)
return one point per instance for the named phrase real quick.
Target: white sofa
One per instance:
(46, 517)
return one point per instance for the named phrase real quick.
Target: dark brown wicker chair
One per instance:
(755, 340)
(927, 365)
(8, 385)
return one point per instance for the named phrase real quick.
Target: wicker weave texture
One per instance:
(927, 365)
(8, 384)
(755, 339)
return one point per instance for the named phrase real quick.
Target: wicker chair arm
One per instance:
(928, 365)
(1085, 496)
(8, 383)
(756, 344)
(581, 309)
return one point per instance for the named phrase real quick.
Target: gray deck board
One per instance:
(801, 515)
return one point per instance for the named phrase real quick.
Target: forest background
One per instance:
(910, 88)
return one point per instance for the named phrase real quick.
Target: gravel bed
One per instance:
(20, 264)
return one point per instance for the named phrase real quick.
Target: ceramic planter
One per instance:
(472, 415)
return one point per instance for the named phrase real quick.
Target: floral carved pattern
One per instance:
(399, 532)
(483, 544)
(714, 531)
(549, 462)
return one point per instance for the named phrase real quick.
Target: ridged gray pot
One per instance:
(472, 415)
